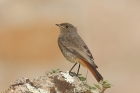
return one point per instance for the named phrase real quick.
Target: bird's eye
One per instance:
(67, 26)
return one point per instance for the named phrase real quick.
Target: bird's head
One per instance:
(66, 27)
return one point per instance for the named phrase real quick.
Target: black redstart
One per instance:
(75, 50)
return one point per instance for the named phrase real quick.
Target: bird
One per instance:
(75, 50)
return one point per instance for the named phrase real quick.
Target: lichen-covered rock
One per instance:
(60, 82)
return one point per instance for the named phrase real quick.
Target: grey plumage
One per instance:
(73, 47)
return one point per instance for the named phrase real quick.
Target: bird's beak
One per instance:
(58, 25)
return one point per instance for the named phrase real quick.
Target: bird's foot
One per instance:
(73, 74)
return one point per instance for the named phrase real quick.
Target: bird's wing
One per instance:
(77, 46)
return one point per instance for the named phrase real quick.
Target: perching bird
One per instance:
(75, 50)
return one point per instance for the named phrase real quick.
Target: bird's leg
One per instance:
(78, 70)
(71, 69)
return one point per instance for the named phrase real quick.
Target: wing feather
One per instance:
(77, 46)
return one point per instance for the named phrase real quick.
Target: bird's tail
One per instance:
(93, 70)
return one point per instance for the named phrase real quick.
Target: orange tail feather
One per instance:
(93, 70)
